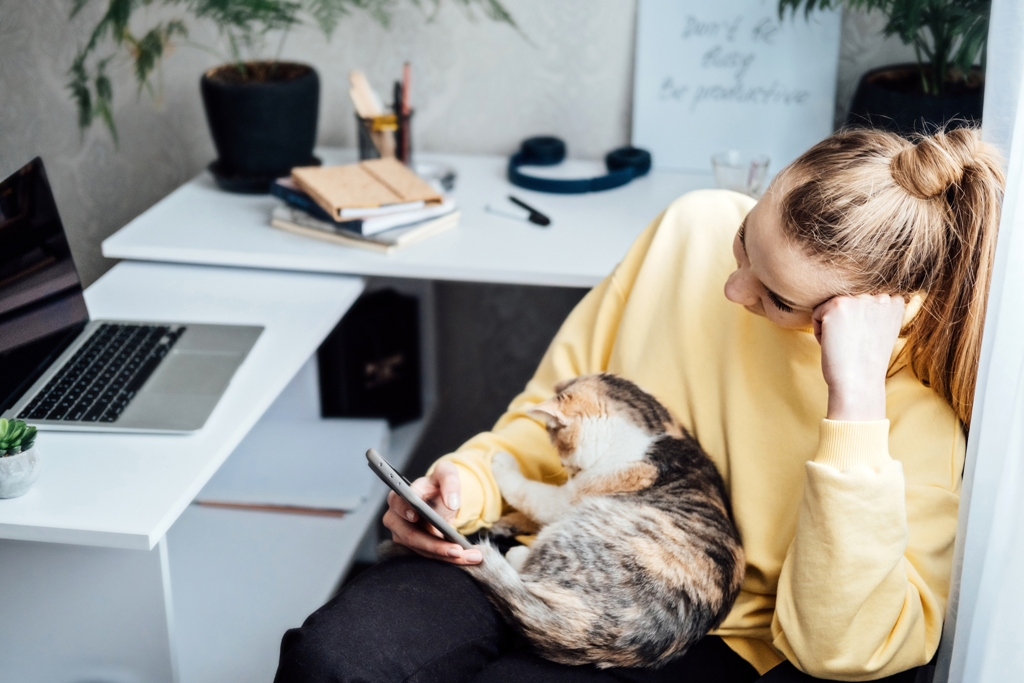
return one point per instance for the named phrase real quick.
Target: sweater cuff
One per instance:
(844, 445)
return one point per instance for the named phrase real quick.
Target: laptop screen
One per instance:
(42, 308)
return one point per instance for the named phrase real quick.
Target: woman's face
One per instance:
(774, 277)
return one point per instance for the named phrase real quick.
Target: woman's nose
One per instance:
(740, 290)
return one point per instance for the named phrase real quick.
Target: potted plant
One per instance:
(262, 112)
(944, 86)
(19, 459)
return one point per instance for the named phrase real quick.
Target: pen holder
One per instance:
(385, 136)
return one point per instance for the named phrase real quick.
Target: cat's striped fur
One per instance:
(638, 556)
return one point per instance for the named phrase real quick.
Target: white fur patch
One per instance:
(516, 557)
(609, 443)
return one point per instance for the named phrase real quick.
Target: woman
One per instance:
(833, 399)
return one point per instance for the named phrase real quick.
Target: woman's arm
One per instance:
(864, 585)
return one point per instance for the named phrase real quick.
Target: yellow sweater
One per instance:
(848, 527)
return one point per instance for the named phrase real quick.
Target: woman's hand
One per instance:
(857, 335)
(440, 490)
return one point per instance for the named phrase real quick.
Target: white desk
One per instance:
(197, 223)
(131, 582)
(125, 490)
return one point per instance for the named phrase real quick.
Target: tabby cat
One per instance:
(637, 557)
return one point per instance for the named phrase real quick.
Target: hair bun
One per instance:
(934, 163)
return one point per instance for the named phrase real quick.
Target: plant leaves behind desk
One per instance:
(948, 36)
(244, 24)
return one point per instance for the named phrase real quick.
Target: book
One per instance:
(379, 224)
(299, 222)
(286, 190)
(368, 188)
(385, 210)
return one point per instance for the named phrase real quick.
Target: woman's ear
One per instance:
(549, 413)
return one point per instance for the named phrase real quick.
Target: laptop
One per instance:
(61, 370)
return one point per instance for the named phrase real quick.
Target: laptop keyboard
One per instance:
(97, 383)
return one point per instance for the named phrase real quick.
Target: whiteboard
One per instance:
(730, 74)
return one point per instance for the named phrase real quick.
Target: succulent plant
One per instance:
(15, 437)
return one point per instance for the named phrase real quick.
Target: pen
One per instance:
(406, 82)
(406, 110)
(535, 215)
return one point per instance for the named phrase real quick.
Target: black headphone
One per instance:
(624, 164)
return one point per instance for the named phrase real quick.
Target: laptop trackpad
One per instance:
(194, 372)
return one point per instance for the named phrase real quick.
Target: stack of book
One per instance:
(377, 204)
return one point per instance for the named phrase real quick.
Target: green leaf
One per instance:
(104, 107)
(30, 439)
(327, 14)
(14, 435)
(3, 427)
(148, 51)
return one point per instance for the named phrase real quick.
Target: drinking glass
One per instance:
(741, 171)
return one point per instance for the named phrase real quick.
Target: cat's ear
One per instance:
(549, 413)
(565, 384)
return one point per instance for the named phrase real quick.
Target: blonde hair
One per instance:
(903, 216)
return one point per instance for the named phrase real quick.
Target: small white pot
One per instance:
(18, 473)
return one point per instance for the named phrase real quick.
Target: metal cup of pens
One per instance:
(380, 133)
(741, 171)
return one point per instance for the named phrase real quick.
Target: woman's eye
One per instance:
(778, 302)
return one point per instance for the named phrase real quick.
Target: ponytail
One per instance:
(909, 217)
(944, 339)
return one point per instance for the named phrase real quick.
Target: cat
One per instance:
(638, 556)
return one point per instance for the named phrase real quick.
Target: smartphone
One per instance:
(400, 485)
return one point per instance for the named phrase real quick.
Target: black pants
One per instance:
(418, 620)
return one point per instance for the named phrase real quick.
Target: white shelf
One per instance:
(590, 233)
(242, 578)
(293, 457)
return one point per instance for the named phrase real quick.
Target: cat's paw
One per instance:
(507, 475)
(514, 523)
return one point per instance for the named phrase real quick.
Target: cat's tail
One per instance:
(554, 619)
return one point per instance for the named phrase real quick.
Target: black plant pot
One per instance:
(891, 98)
(261, 128)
